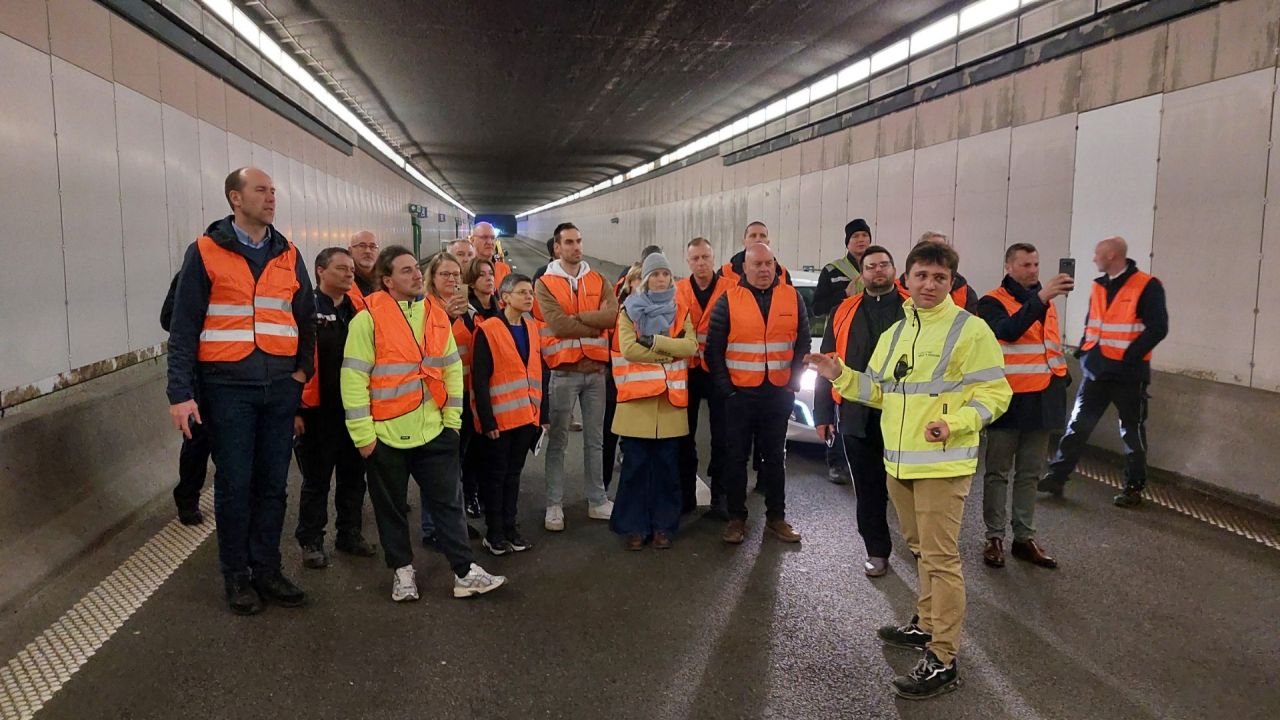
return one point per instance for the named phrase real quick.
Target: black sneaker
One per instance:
(355, 545)
(517, 543)
(241, 597)
(497, 547)
(431, 542)
(278, 589)
(717, 511)
(191, 516)
(1129, 497)
(927, 679)
(473, 509)
(908, 636)
(314, 557)
(839, 476)
(1052, 485)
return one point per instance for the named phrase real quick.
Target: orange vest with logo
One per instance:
(842, 320)
(701, 316)
(402, 365)
(244, 314)
(560, 351)
(1032, 360)
(1117, 325)
(758, 349)
(515, 388)
(638, 380)
(311, 391)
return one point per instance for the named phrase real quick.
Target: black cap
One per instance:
(854, 226)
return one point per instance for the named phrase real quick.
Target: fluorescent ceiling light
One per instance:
(890, 56)
(244, 25)
(221, 8)
(797, 100)
(775, 110)
(740, 127)
(934, 35)
(269, 49)
(856, 72)
(824, 87)
(756, 119)
(983, 12)
(724, 133)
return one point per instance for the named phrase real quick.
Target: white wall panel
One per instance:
(861, 198)
(35, 289)
(239, 152)
(1266, 371)
(297, 202)
(260, 157)
(284, 195)
(146, 249)
(782, 235)
(1212, 182)
(1114, 189)
(182, 182)
(808, 240)
(933, 203)
(89, 175)
(1041, 166)
(835, 200)
(893, 202)
(311, 200)
(214, 167)
(982, 193)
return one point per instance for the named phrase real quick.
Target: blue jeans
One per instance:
(648, 495)
(252, 432)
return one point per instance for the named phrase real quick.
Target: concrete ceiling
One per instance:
(509, 105)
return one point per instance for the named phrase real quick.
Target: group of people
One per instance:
(453, 369)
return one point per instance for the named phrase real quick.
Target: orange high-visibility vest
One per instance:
(500, 270)
(402, 365)
(842, 320)
(1032, 360)
(515, 388)
(561, 351)
(701, 316)
(311, 391)
(244, 314)
(727, 272)
(1117, 325)
(756, 348)
(462, 337)
(637, 380)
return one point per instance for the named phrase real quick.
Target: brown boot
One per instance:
(661, 541)
(634, 542)
(735, 532)
(993, 554)
(783, 531)
(1031, 552)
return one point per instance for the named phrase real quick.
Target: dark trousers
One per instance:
(701, 388)
(500, 477)
(1092, 399)
(610, 440)
(472, 467)
(193, 464)
(648, 497)
(870, 483)
(435, 468)
(757, 417)
(252, 432)
(325, 450)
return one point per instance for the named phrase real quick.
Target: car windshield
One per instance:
(817, 323)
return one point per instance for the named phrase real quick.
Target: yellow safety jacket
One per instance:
(950, 368)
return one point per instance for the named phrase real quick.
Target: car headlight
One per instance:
(809, 379)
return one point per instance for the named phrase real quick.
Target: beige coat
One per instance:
(655, 417)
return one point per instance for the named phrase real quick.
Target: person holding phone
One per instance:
(1022, 317)
(937, 376)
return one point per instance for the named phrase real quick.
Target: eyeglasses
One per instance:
(878, 266)
(449, 275)
(365, 246)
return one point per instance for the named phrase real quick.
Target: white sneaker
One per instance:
(555, 519)
(603, 511)
(405, 586)
(477, 582)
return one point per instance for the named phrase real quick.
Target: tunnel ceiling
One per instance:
(509, 105)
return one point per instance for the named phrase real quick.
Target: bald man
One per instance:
(243, 327)
(364, 250)
(756, 342)
(485, 240)
(1127, 319)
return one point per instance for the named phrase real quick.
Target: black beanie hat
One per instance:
(854, 226)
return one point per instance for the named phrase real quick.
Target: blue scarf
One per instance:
(652, 312)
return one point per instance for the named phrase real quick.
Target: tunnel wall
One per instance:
(1166, 137)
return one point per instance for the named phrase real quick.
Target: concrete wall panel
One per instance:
(1041, 170)
(896, 175)
(1124, 69)
(1266, 371)
(26, 21)
(1248, 33)
(861, 199)
(214, 166)
(1046, 90)
(135, 58)
(784, 234)
(835, 201)
(177, 81)
(933, 204)
(284, 202)
(811, 156)
(146, 253)
(986, 107)
(864, 141)
(1211, 184)
(1191, 50)
(937, 120)
(182, 181)
(982, 194)
(80, 33)
(239, 152)
(897, 132)
(808, 240)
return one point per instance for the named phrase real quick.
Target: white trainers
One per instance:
(405, 586)
(477, 582)
(555, 519)
(603, 511)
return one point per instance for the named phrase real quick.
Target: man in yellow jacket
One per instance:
(937, 376)
(402, 394)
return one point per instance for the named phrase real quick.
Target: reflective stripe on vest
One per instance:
(244, 314)
(1032, 360)
(638, 380)
(561, 351)
(936, 384)
(700, 316)
(515, 388)
(401, 364)
(757, 348)
(1117, 325)
(841, 322)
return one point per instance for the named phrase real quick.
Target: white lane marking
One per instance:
(32, 677)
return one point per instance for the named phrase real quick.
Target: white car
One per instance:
(800, 426)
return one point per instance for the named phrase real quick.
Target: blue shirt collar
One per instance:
(244, 238)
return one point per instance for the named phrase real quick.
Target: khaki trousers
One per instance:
(929, 512)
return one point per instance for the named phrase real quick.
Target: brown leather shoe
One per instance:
(634, 542)
(1031, 552)
(661, 541)
(735, 532)
(782, 530)
(993, 553)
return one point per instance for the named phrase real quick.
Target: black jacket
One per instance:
(832, 285)
(718, 340)
(1152, 312)
(331, 324)
(190, 302)
(874, 316)
(166, 310)
(1042, 410)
